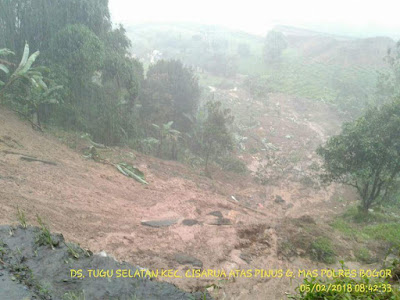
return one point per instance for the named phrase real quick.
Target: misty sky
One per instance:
(356, 17)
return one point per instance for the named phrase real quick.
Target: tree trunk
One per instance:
(174, 151)
(206, 171)
(160, 146)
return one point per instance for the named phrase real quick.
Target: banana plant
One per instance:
(4, 64)
(38, 92)
(23, 71)
(39, 95)
(166, 133)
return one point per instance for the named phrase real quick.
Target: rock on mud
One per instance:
(185, 259)
(159, 223)
(279, 200)
(190, 222)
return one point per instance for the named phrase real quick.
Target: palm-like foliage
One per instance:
(4, 64)
(23, 71)
(37, 91)
(166, 133)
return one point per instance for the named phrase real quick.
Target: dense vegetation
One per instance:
(92, 84)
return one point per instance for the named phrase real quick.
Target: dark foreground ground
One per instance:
(35, 264)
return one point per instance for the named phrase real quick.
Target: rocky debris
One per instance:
(216, 218)
(220, 222)
(279, 200)
(216, 213)
(307, 219)
(159, 223)
(246, 257)
(185, 259)
(289, 206)
(32, 271)
(190, 222)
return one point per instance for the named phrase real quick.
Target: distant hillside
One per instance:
(194, 44)
(335, 49)
(197, 45)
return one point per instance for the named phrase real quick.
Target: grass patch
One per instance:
(74, 296)
(362, 254)
(344, 227)
(322, 250)
(44, 237)
(21, 218)
(388, 232)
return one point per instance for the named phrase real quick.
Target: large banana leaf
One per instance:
(25, 56)
(132, 172)
(26, 62)
(29, 62)
(4, 69)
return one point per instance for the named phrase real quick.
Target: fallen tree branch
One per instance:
(30, 158)
(249, 208)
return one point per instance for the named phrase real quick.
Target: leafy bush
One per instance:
(233, 164)
(322, 250)
(363, 254)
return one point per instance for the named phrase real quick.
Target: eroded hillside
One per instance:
(182, 219)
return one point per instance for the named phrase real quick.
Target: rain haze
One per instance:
(202, 150)
(357, 18)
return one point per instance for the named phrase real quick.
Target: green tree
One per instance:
(366, 154)
(213, 136)
(76, 55)
(37, 22)
(275, 43)
(77, 49)
(169, 92)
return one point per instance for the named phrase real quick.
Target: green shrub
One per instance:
(362, 254)
(232, 164)
(389, 232)
(322, 250)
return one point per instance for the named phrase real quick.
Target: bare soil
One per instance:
(92, 204)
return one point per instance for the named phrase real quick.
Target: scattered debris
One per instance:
(220, 222)
(246, 257)
(185, 259)
(233, 198)
(217, 213)
(279, 200)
